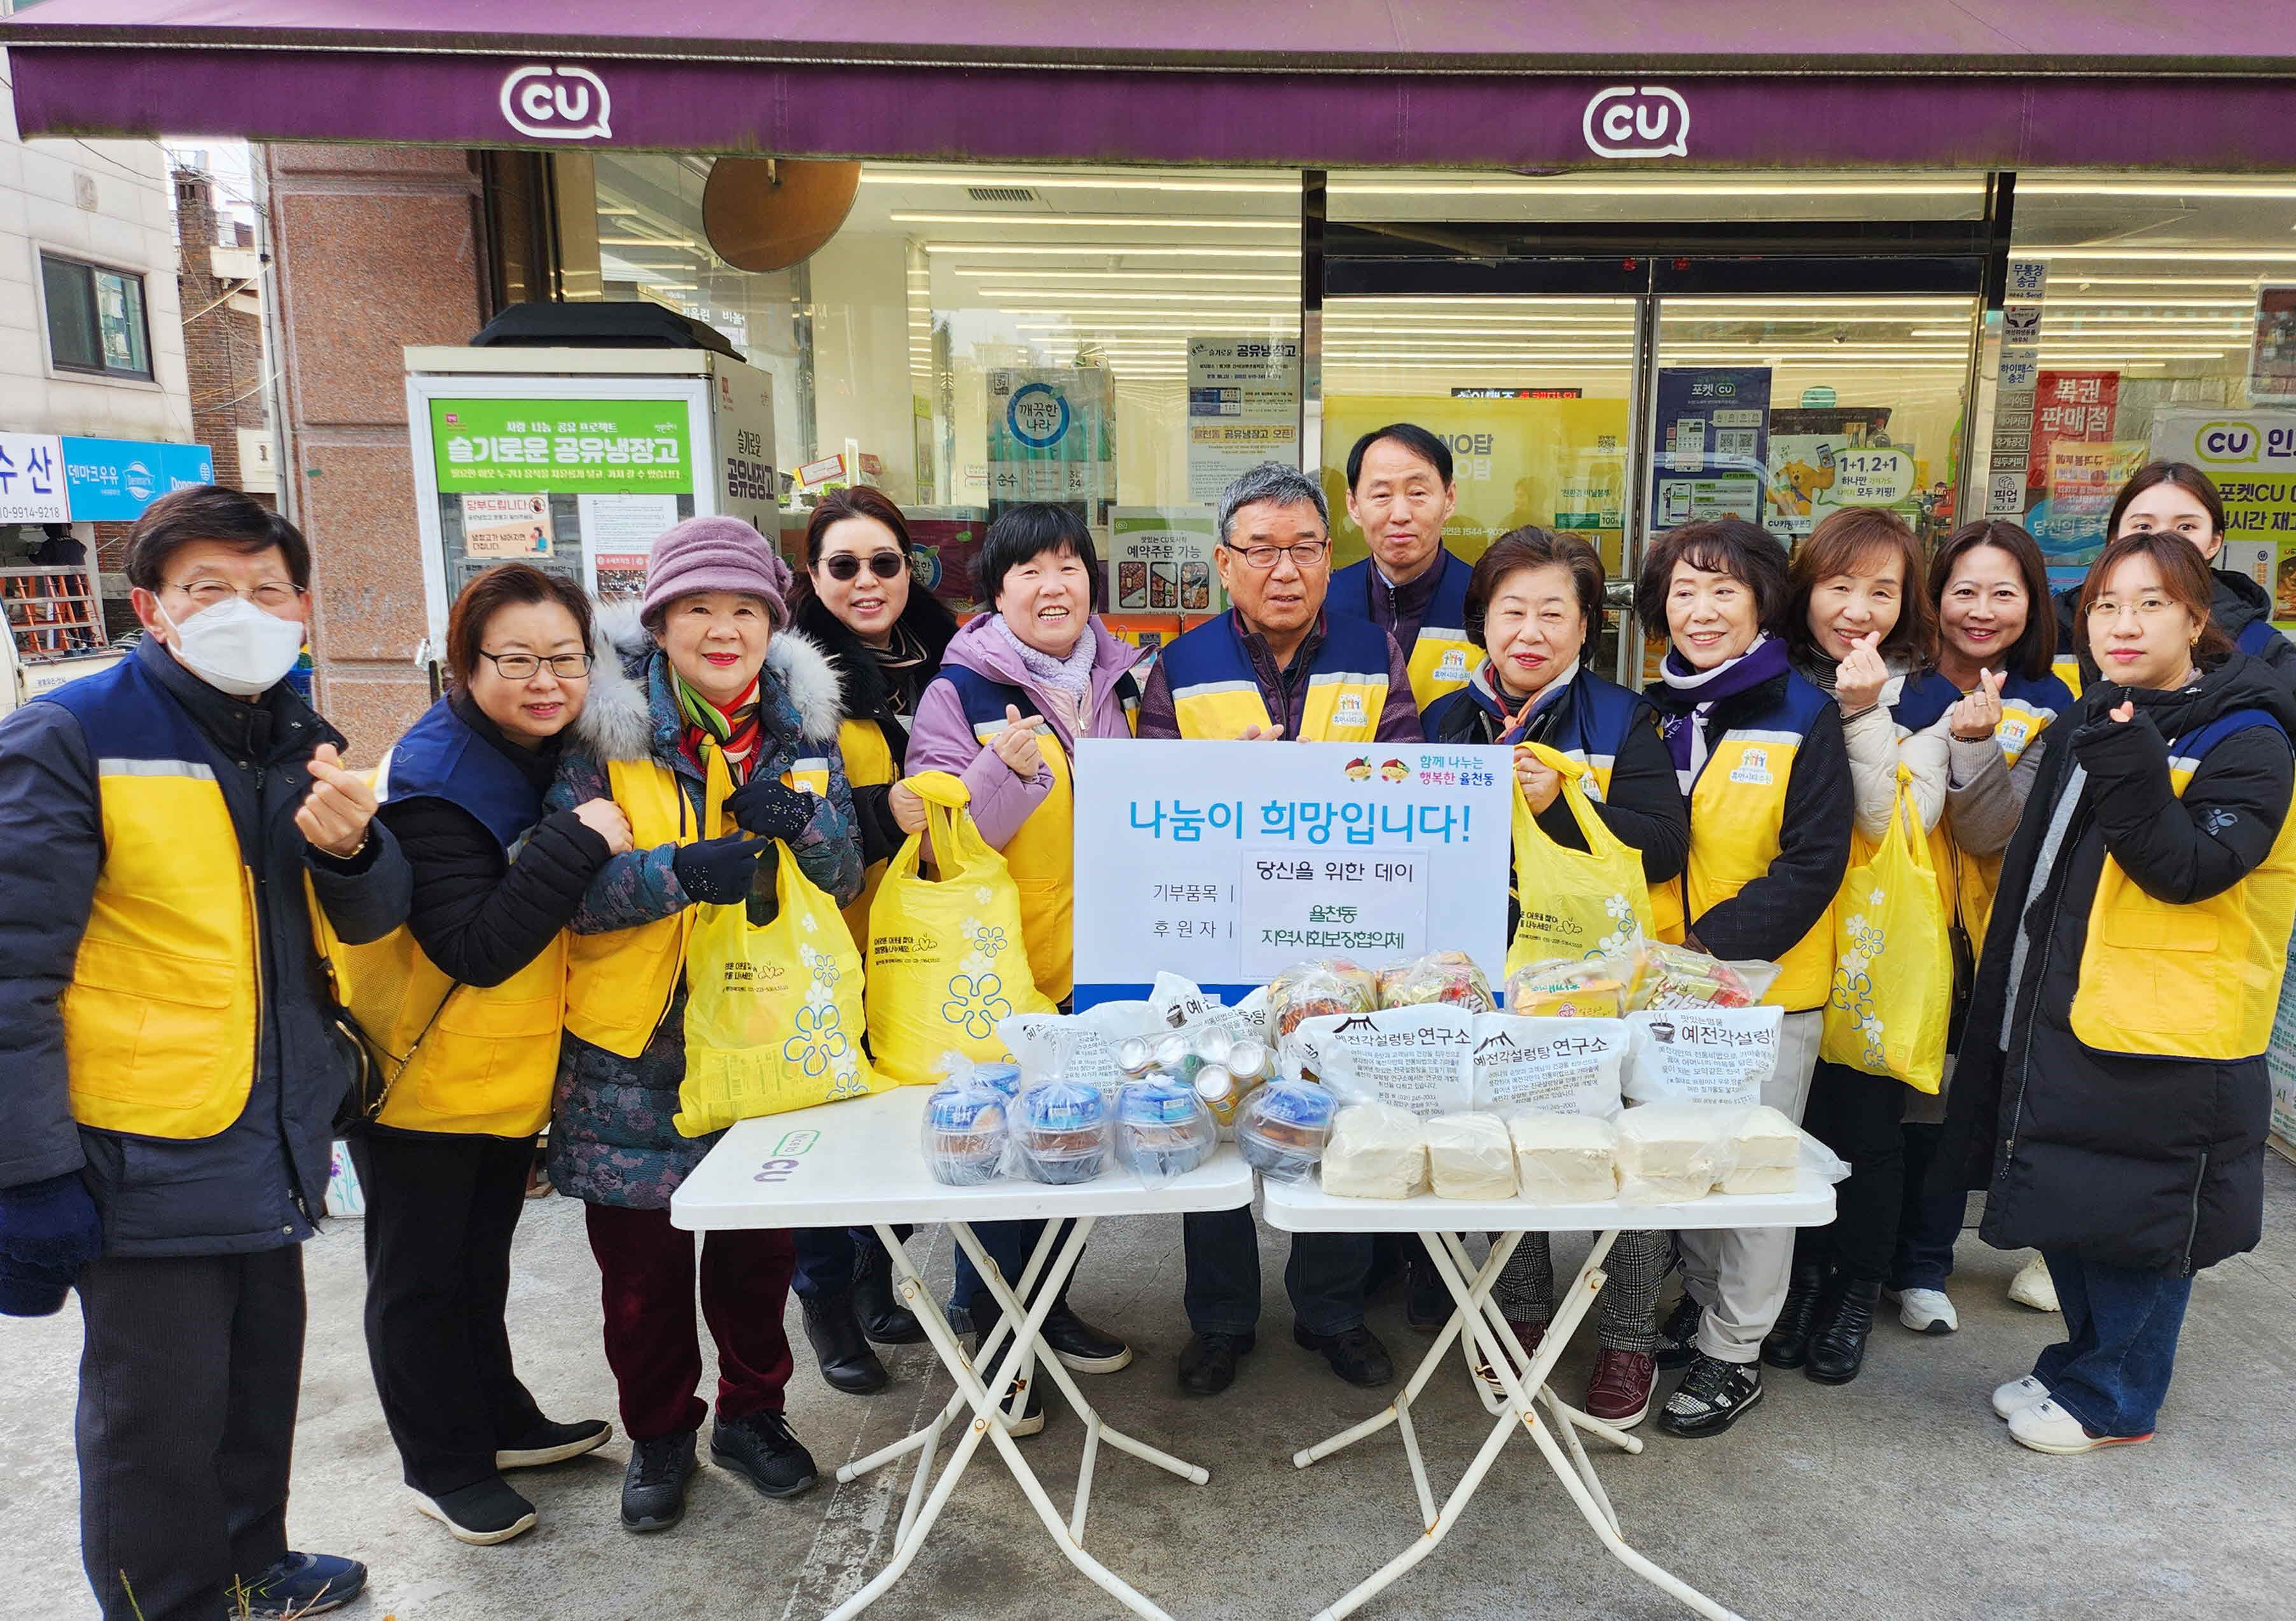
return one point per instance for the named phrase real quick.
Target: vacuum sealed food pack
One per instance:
(1564, 1159)
(1701, 1055)
(1470, 1156)
(1414, 1058)
(1375, 1153)
(1316, 988)
(1564, 1065)
(1284, 1127)
(1439, 977)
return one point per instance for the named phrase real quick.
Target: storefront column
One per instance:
(378, 248)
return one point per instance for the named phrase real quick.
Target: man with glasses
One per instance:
(181, 840)
(1401, 495)
(1273, 666)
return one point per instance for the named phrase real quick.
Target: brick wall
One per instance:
(223, 328)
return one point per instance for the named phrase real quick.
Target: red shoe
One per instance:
(1527, 1334)
(1619, 1392)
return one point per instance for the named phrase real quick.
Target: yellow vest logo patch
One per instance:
(1348, 710)
(1753, 768)
(1454, 666)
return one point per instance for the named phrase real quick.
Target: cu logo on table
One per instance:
(1638, 121)
(556, 103)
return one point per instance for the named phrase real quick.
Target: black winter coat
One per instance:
(2150, 1162)
(864, 694)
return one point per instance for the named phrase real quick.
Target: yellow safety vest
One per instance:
(868, 761)
(1216, 693)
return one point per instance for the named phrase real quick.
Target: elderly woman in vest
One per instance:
(1759, 752)
(496, 882)
(1533, 602)
(2111, 1097)
(885, 634)
(714, 703)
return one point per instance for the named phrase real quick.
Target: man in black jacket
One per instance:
(169, 1069)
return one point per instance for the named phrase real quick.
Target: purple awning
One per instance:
(1785, 83)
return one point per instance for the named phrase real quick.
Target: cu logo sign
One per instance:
(561, 103)
(1630, 121)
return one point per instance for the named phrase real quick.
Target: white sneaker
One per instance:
(2033, 1287)
(1925, 1311)
(2047, 1428)
(2012, 1398)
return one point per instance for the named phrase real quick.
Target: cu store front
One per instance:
(1630, 279)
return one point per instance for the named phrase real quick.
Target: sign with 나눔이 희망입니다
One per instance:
(1226, 862)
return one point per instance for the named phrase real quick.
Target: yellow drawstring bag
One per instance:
(1892, 992)
(946, 959)
(1573, 903)
(773, 1014)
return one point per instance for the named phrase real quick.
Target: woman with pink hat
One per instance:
(706, 697)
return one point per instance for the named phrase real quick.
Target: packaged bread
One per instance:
(1676, 977)
(1311, 990)
(1439, 977)
(1564, 1159)
(1470, 1156)
(1671, 1153)
(1375, 1153)
(1764, 1153)
(1570, 987)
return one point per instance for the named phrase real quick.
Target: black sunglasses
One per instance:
(845, 565)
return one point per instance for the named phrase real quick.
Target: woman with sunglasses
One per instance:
(858, 599)
(496, 882)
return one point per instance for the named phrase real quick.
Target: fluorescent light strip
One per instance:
(1083, 183)
(1119, 297)
(1005, 274)
(1812, 301)
(2108, 301)
(646, 242)
(1108, 250)
(2149, 188)
(1629, 186)
(2248, 282)
(1115, 222)
(2227, 256)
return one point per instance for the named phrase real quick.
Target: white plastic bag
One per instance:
(1564, 1065)
(1564, 1159)
(1701, 1055)
(1375, 1153)
(1411, 1059)
(1470, 1156)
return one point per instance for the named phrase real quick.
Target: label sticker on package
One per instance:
(1556, 1065)
(1715, 1055)
(1414, 1058)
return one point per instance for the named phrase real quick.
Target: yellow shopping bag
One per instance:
(1893, 963)
(946, 959)
(773, 1014)
(1573, 903)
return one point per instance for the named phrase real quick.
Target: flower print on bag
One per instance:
(976, 1002)
(820, 1041)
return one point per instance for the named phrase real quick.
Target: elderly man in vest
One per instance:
(182, 840)
(1272, 667)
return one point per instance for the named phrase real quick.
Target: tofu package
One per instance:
(1470, 1156)
(1375, 1153)
(1765, 1154)
(1564, 1159)
(1701, 1055)
(1675, 1153)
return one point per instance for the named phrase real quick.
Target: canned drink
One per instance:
(1217, 1087)
(1135, 1057)
(1174, 1053)
(1212, 1046)
(1249, 1062)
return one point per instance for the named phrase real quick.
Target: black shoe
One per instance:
(654, 1487)
(1678, 1335)
(1027, 1418)
(548, 1443)
(1355, 1354)
(1845, 1317)
(1426, 1302)
(1711, 1397)
(1787, 1344)
(884, 1320)
(1081, 1347)
(300, 1584)
(834, 1332)
(482, 1514)
(761, 1449)
(1207, 1364)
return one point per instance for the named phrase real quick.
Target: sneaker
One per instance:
(1678, 1335)
(1527, 1334)
(1712, 1396)
(2047, 1428)
(2033, 1287)
(1081, 1347)
(1925, 1311)
(1356, 1354)
(653, 1487)
(2016, 1396)
(1619, 1392)
(302, 1584)
(761, 1449)
(549, 1442)
(482, 1514)
(1207, 1363)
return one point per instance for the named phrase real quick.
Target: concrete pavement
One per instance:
(1897, 1498)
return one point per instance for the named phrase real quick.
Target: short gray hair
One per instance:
(1277, 482)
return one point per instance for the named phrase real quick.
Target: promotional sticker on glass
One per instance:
(1244, 408)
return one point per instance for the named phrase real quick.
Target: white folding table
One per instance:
(860, 1164)
(1477, 1323)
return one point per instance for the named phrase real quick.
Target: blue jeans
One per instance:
(2112, 1371)
(1324, 1276)
(1929, 1224)
(829, 1257)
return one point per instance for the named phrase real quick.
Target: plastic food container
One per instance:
(1162, 1129)
(963, 1135)
(1284, 1128)
(1062, 1134)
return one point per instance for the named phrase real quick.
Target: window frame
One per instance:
(94, 268)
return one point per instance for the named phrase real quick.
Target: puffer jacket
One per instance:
(611, 1141)
(2150, 1162)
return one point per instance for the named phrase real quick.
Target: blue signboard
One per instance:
(114, 480)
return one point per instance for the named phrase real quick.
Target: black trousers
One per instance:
(1857, 1116)
(441, 1209)
(188, 1379)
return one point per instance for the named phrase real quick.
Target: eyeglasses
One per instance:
(521, 666)
(271, 596)
(845, 565)
(2148, 607)
(1307, 555)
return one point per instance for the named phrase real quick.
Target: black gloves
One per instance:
(48, 1230)
(718, 872)
(764, 807)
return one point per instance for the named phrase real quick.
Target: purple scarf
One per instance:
(1687, 699)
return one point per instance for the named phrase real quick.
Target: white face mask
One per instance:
(236, 647)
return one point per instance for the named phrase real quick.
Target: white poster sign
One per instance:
(496, 526)
(1225, 862)
(1243, 410)
(617, 536)
(32, 488)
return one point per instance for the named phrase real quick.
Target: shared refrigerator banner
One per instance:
(1227, 862)
(562, 447)
(1243, 410)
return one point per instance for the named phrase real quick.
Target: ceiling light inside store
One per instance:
(1006, 272)
(1626, 185)
(2213, 256)
(646, 242)
(1104, 251)
(1120, 222)
(874, 175)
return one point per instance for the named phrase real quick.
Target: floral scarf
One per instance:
(735, 731)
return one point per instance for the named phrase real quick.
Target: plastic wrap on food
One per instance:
(1059, 1133)
(1315, 989)
(1764, 1153)
(964, 1132)
(1564, 1159)
(1163, 1130)
(1439, 977)
(1672, 1152)
(1564, 1065)
(1375, 1153)
(1572, 987)
(1283, 1128)
(1676, 977)
(1701, 1055)
(1470, 1156)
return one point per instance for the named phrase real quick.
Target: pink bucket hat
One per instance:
(714, 554)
